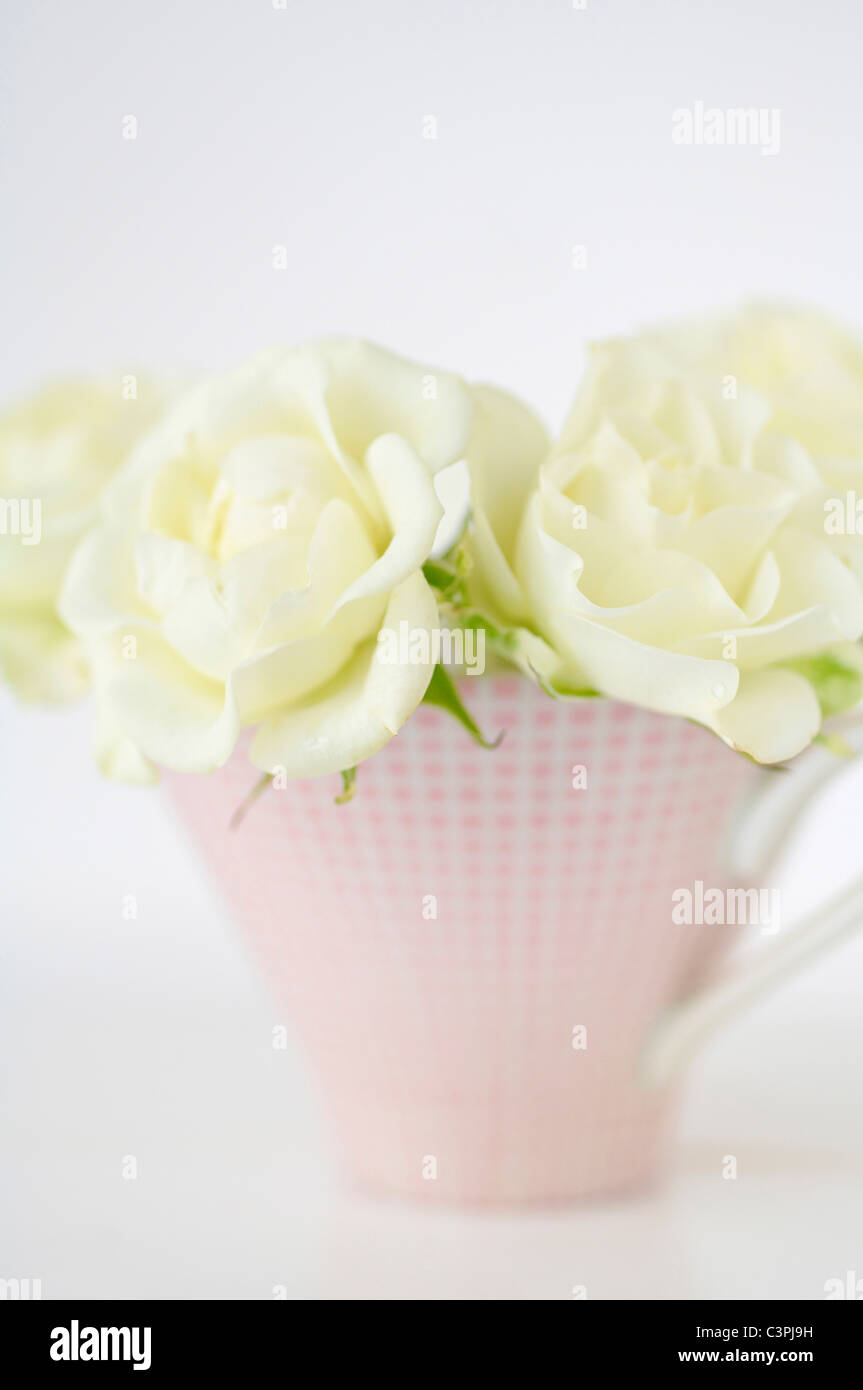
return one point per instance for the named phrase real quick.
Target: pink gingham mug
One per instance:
(480, 955)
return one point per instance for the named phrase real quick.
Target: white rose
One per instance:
(807, 366)
(57, 450)
(254, 548)
(674, 553)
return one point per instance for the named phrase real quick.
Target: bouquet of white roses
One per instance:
(264, 551)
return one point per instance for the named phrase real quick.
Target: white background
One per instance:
(304, 128)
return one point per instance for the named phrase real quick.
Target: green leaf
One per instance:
(560, 690)
(443, 694)
(835, 744)
(349, 787)
(447, 574)
(503, 640)
(837, 685)
(441, 576)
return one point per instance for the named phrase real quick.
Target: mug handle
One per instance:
(753, 849)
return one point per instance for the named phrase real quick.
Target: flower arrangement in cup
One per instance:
(263, 550)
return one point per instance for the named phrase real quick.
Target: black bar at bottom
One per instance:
(65, 1337)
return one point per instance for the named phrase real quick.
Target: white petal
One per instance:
(340, 554)
(99, 589)
(507, 446)
(172, 715)
(812, 574)
(263, 468)
(164, 567)
(413, 511)
(774, 716)
(372, 392)
(40, 658)
(214, 619)
(801, 634)
(274, 679)
(603, 659)
(359, 711)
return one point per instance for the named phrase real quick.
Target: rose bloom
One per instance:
(57, 450)
(804, 364)
(673, 551)
(252, 550)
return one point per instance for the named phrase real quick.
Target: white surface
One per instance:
(303, 128)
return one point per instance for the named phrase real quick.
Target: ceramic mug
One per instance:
(489, 956)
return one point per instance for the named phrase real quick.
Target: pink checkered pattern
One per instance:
(444, 1044)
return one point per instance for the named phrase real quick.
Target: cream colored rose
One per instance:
(674, 553)
(804, 364)
(57, 451)
(254, 548)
